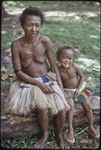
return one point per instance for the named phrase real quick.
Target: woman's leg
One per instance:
(60, 118)
(69, 120)
(43, 120)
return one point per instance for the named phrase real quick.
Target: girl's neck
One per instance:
(66, 69)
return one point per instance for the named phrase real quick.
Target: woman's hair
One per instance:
(31, 11)
(60, 50)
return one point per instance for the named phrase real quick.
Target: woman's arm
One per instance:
(17, 65)
(51, 59)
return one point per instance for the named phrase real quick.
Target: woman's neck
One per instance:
(32, 41)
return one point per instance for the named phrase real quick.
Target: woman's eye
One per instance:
(37, 25)
(28, 25)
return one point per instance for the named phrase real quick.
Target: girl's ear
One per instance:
(76, 53)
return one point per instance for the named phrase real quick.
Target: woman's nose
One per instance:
(33, 28)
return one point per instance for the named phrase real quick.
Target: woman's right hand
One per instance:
(46, 88)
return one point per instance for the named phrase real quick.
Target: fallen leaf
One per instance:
(9, 54)
(8, 50)
(85, 140)
(4, 76)
(10, 74)
(3, 69)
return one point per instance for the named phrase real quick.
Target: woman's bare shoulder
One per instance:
(45, 39)
(16, 41)
(16, 44)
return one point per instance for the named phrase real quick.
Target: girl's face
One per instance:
(32, 26)
(66, 58)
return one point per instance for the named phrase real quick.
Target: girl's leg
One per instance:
(87, 107)
(43, 120)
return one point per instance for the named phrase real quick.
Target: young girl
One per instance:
(74, 82)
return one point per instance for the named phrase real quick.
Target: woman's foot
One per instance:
(41, 142)
(60, 141)
(70, 137)
(93, 132)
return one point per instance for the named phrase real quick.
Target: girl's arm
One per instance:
(82, 81)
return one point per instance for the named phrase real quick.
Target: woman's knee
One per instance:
(42, 111)
(61, 113)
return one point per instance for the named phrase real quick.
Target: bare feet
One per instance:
(41, 142)
(94, 133)
(70, 137)
(67, 146)
(60, 141)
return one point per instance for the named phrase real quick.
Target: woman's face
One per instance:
(66, 58)
(32, 26)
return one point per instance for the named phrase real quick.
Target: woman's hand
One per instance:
(46, 88)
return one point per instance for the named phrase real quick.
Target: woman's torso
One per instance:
(33, 59)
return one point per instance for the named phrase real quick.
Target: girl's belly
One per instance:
(71, 83)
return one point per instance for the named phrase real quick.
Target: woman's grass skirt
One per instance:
(24, 98)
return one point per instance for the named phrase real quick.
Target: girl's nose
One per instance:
(65, 59)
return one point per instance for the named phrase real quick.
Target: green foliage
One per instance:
(76, 34)
(82, 140)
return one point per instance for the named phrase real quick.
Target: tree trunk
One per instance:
(12, 126)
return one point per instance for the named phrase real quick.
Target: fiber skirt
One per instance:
(24, 98)
(85, 94)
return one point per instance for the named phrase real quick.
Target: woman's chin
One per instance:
(33, 36)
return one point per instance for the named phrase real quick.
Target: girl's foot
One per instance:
(70, 137)
(94, 133)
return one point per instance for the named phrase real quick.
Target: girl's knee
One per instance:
(71, 103)
(87, 105)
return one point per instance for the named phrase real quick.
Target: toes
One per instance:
(39, 145)
(66, 146)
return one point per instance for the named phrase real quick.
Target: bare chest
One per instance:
(70, 78)
(69, 74)
(28, 52)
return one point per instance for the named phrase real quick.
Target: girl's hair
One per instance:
(31, 11)
(60, 50)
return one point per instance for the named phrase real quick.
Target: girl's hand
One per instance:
(76, 93)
